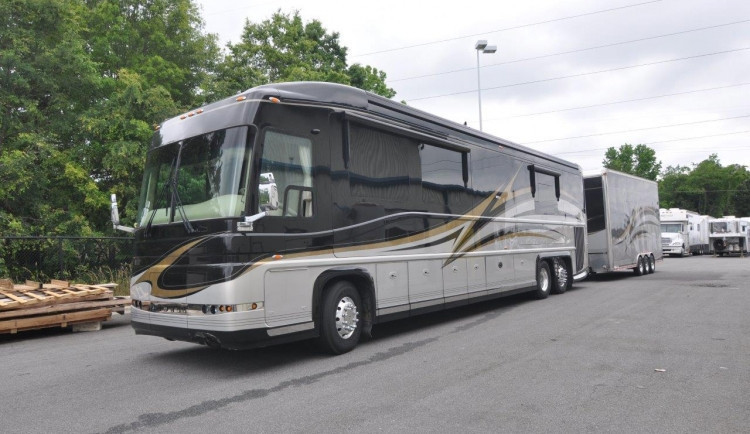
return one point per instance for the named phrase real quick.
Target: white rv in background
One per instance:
(683, 232)
(730, 234)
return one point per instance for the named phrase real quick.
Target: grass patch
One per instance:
(120, 276)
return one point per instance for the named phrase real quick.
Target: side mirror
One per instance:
(115, 214)
(268, 193)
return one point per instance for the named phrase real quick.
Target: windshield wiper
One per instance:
(176, 202)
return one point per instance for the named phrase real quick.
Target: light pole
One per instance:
(481, 46)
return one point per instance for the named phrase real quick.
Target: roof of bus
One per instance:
(347, 97)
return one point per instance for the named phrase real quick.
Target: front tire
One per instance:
(340, 327)
(543, 281)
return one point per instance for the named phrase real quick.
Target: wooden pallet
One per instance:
(36, 294)
(55, 320)
(33, 305)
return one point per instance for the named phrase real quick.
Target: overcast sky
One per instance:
(570, 78)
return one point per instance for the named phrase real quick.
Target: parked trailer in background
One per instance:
(730, 234)
(683, 232)
(623, 222)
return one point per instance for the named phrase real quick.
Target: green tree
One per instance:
(284, 48)
(639, 160)
(708, 188)
(742, 199)
(46, 81)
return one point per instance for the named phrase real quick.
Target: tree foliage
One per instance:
(707, 188)
(284, 48)
(83, 82)
(639, 160)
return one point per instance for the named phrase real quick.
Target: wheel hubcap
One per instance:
(562, 274)
(544, 280)
(346, 317)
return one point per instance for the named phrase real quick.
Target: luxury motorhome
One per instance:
(315, 210)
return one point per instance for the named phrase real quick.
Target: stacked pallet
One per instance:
(33, 305)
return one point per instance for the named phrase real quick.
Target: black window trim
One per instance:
(533, 170)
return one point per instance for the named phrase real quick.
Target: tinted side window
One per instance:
(444, 183)
(545, 199)
(382, 165)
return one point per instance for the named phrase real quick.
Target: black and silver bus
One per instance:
(316, 210)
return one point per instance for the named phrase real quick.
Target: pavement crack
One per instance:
(155, 419)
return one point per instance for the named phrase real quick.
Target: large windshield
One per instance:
(671, 228)
(211, 173)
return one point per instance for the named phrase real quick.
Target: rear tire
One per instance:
(340, 327)
(543, 281)
(651, 264)
(561, 281)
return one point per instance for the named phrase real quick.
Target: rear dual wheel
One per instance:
(543, 281)
(562, 280)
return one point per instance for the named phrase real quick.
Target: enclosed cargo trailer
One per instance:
(622, 222)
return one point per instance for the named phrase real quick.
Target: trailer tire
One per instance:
(543, 280)
(651, 264)
(340, 326)
(640, 268)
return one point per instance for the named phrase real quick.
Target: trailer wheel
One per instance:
(543, 280)
(650, 264)
(561, 280)
(339, 318)
(640, 267)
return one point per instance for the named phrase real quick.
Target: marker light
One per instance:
(241, 98)
(273, 99)
(277, 257)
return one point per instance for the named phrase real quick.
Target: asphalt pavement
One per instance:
(667, 353)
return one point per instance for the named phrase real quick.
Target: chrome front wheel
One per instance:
(338, 318)
(347, 317)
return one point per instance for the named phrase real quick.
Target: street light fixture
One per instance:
(481, 46)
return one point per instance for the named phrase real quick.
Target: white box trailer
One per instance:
(730, 234)
(683, 232)
(622, 222)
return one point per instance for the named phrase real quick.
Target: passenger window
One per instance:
(382, 165)
(545, 189)
(286, 181)
(442, 172)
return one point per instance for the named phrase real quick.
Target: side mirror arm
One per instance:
(115, 213)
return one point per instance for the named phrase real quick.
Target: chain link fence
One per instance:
(78, 259)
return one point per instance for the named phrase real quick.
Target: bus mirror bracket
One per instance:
(247, 224)
(115, 213)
